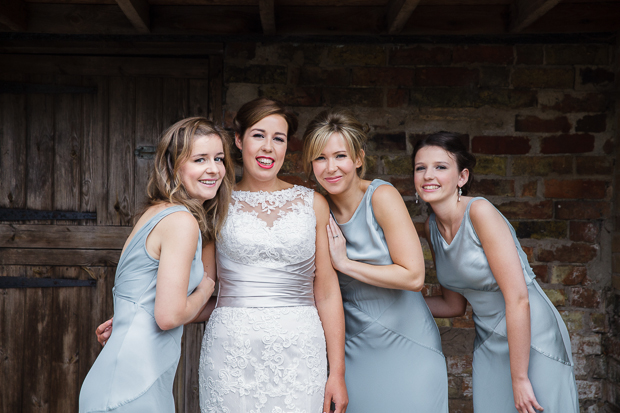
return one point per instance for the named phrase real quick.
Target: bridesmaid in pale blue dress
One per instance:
(393, 352)
(522, 356)
(160, 282)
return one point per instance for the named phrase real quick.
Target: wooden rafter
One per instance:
(399, 12)
(525, 12)
(137, 11)
(14, 14)
(267, 16)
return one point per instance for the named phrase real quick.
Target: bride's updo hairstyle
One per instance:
(255, 110)
(323, 126)
(165, 185)
(451, 143)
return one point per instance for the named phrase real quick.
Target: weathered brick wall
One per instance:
(541, 119)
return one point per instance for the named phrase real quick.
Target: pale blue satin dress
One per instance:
(394, 361)
(135, 370)
(462, 266)
(264, 347)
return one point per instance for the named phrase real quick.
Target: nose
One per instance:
(331, 165)
(267, 144)
(210, 166)
(429, 173)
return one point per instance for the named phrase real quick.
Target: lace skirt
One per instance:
(263, 360)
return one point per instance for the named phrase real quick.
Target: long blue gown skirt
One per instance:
(462, 267)
(393, 352)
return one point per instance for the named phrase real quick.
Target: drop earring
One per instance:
(460, 193)
(417, 197)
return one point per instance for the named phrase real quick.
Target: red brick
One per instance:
(529, 252)
(415, 137)
(366, 97)
(500, 145)
(388, 142)
(467, 97)
(527, 210)
(542, 165)
(323, 77)
(576, 252)
(494, 54)
(542, 272)
(569, 275)
(594, 165)
(581, 210)
(405, 186)
(577, 54)
(298, 180)
(529, 54)
(543, 78)
(397, 98)
(590, 102)
(356, 55)
(494, 77)
(598, 76)
(584, 231)
(536, 124)
(575, 188)
(608, 146)
(461, 406)
(295, 144)
(540, 229)
(419, 55)
(497, 187)
(260, 74)
(592, 123)
(577, 143)
(465, 321)
(292, 163)
(384, 76)
(529, 189)
(446, 76)
(585, 298)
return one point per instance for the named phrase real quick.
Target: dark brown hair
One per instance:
(451, 143)
(255, 110)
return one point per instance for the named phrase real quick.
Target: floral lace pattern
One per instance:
(263, 360)
(269, 229)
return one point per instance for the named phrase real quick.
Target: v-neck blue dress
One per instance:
(462, 266)
(393, 356)
(135, 370)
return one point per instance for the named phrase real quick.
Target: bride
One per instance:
(279, 318)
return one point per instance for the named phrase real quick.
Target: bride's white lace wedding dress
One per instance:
(263, 350)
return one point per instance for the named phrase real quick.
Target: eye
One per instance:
(341, 156)
(199, 160)
(441, 167)
(258, 135)
(319, 158)
(419, 168)
(279, 139)
(219, 159)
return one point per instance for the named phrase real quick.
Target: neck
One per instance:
(345, 203)
(248, 183)
(448, 212)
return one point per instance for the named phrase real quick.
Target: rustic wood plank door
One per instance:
(76, 138)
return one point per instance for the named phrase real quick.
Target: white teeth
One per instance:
(208, 182)
(265, 161)
(431, 187)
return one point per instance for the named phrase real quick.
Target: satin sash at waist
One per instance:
(244, 285)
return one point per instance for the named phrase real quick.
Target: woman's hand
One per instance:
(336, 392)
(104, 331)
(337, 245)
(525, 400)
(207, 285)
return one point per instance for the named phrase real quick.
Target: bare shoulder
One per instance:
(482, 210)
(180, 222)
(386, 197)
(320, 204)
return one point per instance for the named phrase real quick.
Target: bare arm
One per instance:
(178, 236)
(210, 266)
(501, 253)
(449, 303)
(407, 270)
(329, 306)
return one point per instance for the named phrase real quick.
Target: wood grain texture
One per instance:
(216, 86)
(525, 12)
(63, 236)
(69, 257)
(398, 13)
(137, 11)
(14, 15)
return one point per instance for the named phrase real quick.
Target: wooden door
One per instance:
(76, 141)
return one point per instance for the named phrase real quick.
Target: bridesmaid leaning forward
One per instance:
(522, 357)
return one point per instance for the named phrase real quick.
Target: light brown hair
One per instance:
(175, 148)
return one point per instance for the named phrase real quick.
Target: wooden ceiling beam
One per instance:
(137, 11)
(398, 14)
(267, 16)
(525, 12)
(14, 15)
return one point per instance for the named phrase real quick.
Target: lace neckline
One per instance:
(264, 193)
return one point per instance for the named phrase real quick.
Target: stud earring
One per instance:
(460, 193)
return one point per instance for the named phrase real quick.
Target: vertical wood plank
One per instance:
(92, 312)
(64, 383)
(94, 154)
(175, 100)
(13, 149)
(191, 359)
(121, 151)
(40, 148)
(148, 129)
(216, 88)
(38, 331)
(68, 131)
(199, 97)
(12, 324)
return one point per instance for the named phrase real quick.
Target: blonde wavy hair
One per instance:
(174, 149)
(323, 126)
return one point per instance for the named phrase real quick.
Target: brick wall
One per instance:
(541, 119)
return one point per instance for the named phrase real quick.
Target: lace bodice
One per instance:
(269, 229)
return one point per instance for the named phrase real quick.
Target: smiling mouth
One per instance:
(333, 179)
(208, 182)
(266, 163)
(430, 187)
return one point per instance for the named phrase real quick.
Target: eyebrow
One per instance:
(263, 131)
(206, 154)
